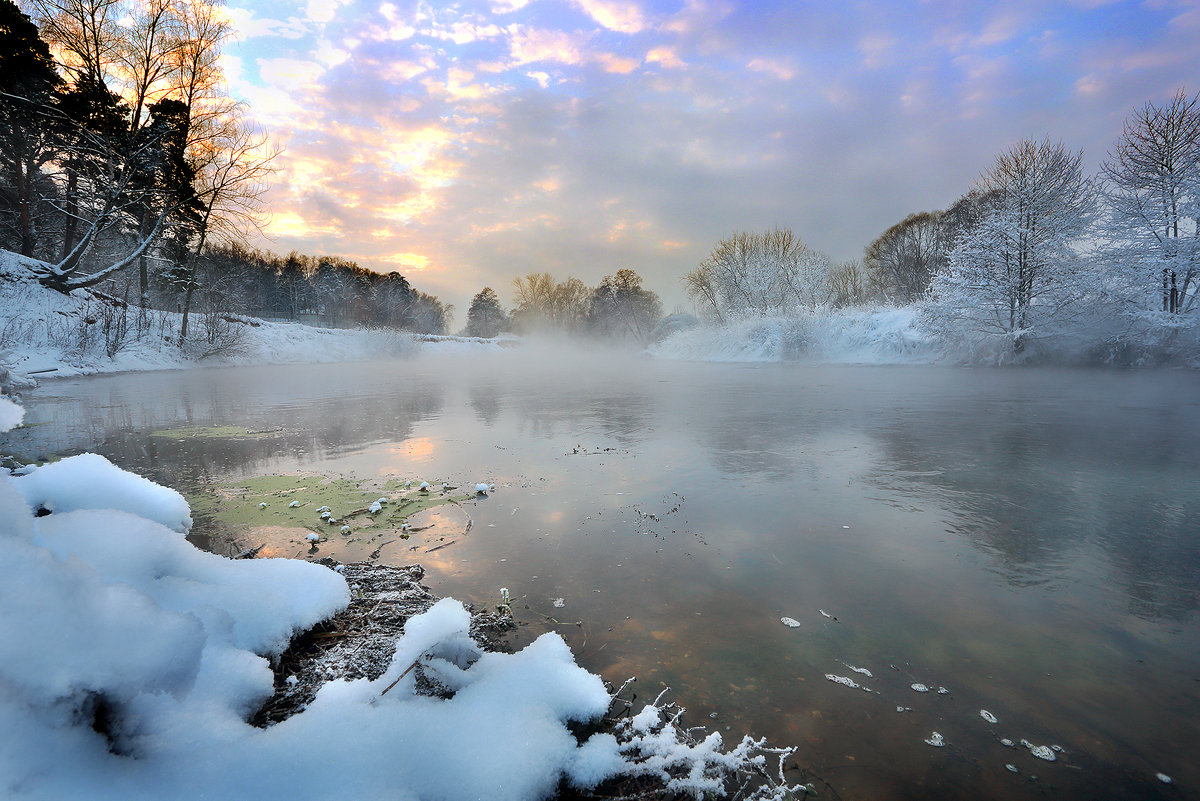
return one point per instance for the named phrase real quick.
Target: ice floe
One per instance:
(936, 740)
(847, 682)
(988, 716)
(790, 622)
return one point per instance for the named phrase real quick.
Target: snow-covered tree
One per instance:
(773, 273)
(1153, 197)
(486, 317)
(1018, 267)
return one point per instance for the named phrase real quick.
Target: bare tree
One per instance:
(905, 257)
(1153, 195)
(850, 284)
(231, 174)
(768, 273)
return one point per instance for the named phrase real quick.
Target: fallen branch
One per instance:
(250, 553)
(402, 675)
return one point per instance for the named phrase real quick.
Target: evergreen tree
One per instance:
(486, 317)
(28, 142)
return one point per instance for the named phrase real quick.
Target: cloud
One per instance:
(322, 11)
(874, 47)
(775, 68)
(697, 15)
(621, 16)
(250, 26)
(666, 56)
(531, 45)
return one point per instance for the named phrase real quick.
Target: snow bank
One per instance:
(843, 336)
(11, 415)
(77, 334)
(136, 660)
(89, 481)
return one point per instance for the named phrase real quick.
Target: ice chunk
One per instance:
(326, 514)
(293, 504)
(424, 486)
(863, 671)
(921, 688)
(1012, 768)
(559, 603)
(481, 489)
(375, 508)
(1040, 751)
(314, 536)
(1164, 778)
(262, 506)
(323, 509)
(846, 681)
(936, 740)
(344, 529)
(988, 716)
(790, 622)
(89, 481)
(942, 691)
(1007, 743)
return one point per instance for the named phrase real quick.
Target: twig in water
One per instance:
(440, 547)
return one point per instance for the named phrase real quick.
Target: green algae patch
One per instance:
(215, 432)
(299, 501)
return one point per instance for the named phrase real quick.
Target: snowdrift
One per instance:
(847, 336)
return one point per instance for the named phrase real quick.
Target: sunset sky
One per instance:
(465, 144)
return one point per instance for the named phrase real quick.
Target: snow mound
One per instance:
(89, 481)
(11, 415)
(839, 336)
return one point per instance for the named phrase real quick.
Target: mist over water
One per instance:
(1028, 539)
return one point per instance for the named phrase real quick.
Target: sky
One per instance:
(466, 144)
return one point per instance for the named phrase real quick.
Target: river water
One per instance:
(1027, 539)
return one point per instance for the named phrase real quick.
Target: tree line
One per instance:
(126, 167)
(1035, 246)
(618, 309)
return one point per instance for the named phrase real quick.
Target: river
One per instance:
(1027, 539)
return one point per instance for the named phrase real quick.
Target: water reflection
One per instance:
(1026, 538)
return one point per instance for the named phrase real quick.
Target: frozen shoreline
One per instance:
(163, 653)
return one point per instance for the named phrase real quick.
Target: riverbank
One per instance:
(165, 654)
(46, 334)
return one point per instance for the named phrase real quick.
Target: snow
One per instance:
(46, 330)
(89, 481)
(11, 415)
(142, 658)
(845, 336)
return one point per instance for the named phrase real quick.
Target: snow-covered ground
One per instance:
(851, 336)
(44, 332)
(911, 335)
